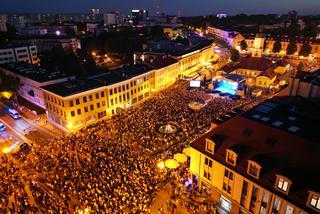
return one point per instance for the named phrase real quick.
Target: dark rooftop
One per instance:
(69, 88)
(279, 148)
(33, 72)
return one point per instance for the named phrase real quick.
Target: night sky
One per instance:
(186, 7)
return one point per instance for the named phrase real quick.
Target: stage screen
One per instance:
(227, 87)
(195, 83)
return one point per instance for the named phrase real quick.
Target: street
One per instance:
(29, 128)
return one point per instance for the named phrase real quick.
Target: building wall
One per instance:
(3, 21)
(236, 199)
(166, 76)
(19, 54)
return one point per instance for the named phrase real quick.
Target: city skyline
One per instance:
(185, 8)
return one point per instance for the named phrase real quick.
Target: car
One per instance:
(2, 127)
(21, 147)
(14, 114)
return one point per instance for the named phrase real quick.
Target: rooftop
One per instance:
(280, 140)
(72, 87)
(33, 72)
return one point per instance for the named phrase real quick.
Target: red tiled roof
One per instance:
(277, 151)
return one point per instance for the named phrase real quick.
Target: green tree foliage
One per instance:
(310, 30)
(276, 46)
(305, 50)
(235, 55)
(292, 47)
(243, 45)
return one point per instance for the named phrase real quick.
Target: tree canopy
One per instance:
(305, 50)
(276, 46)
(235, 55)
(292, 47)
(243, 45)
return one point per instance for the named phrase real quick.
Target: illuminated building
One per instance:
(262, 161)
(233, 38)
(139, 15)
(260, 71)
(32, 79)
(48, 42)
(77, 103)
(228, 83)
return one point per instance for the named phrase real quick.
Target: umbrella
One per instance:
(181, 158)
(171, 163)
(187, 151)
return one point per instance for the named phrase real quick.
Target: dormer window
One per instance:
(209, 146)
(253, 169)
(314, 200)
(283, 184)
(231, 157)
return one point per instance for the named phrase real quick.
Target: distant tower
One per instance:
(258, 45)
(158, 12)
(179, 13)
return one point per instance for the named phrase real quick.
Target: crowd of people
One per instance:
(110, 166)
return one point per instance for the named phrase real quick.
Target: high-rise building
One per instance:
(15, 53)
(265, 160)
(95, 11)
(109, 19)
(138, 15)
(3, 23)
(16, 21)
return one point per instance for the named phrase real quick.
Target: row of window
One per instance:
(86, 99)
(86, 108)
(56, 110)
(126, 87)
(282, 184)
(54, 99)
(6, 53)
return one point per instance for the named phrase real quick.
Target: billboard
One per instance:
(195, 83)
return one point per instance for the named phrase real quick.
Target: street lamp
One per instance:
(161, 165)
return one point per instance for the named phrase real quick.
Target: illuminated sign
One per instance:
(195, 83)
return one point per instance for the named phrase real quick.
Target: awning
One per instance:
(171, 164)
(187, 151)
(181, 158)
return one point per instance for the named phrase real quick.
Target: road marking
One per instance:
(16, 132)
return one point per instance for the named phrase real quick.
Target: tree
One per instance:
(9, 83)
(292, 47)
(235, 56)
(243, 45)
(276, 46)
(310, 30)
(305, 50)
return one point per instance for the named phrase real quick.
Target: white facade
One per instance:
(109, 19)
(3, 26)
(19, 54)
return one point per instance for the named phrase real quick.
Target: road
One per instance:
(27, 128)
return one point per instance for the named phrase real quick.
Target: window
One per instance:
(111, 102)
(84, 99)
(91, 107)
(98, 105)
(127, 86)
(231, 157)
(102, 94)
(103, 103)
(119, 89)
(72, 114)
(71, 103)
(123, 87)
(283, 184)
(276, 206)
(254, 197)
(85, 109)
(253, 169)
(228, 181)
(120, 99)
(79, 111)
(97, 95)
(315, 201)
(209, 146)
(264, 203)
(207, 168)
(115, 90)
(289, 210)
(116, 100)
(90, 97)
(77, 101)
(244, 193)
(111, 91)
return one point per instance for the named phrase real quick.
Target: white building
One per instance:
(19, 54)
(32, 79)
(109, 19)
(3, 26)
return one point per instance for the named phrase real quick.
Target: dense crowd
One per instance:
(110, 166)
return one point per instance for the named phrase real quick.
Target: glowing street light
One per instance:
(93, 53)
(161, 165)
